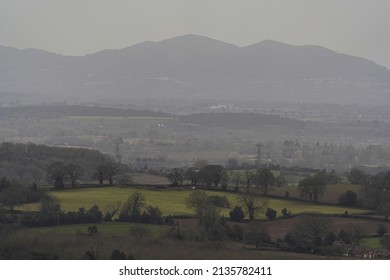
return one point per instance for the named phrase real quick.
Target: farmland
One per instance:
(331, 195)
(172, 201)
(105, 228)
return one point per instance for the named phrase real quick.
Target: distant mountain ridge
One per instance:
(193, 66)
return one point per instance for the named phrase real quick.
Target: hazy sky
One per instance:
(77, 27)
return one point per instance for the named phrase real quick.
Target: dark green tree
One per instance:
(349, 198)
(270, 213)
(237, 214)
(212, 174)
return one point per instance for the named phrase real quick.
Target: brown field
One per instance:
(331, 195)
(74, 247)
(280, 227)
(144, 178)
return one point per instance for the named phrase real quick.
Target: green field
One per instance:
(372, 242)
(172, 202)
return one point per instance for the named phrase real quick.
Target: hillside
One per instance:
(239, 120)
(22, 161)
(196, 67)
(59, 111)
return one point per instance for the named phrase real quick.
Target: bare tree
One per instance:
(74, 173)
(312, 229)
(236, 178)
(56, 174)
(111, 170)
(122, 176)
(132, 209)
(36, 175)
(253, 203)
(192, 174)
(176, 176)
(100, 173)
(196, 201)
(249, 176)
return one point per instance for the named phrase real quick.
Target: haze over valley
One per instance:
(140, 130)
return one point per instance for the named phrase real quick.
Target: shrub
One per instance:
(176, 233)
(139, 232)
(92, 230)
(285, 213)
(237, 214)
(270, 213)
(118, 255)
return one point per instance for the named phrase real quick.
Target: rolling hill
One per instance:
(195, 67)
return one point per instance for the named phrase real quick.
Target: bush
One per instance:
(237, 214)
(139, 232)
(286, 213)
(92, 230)
(176, 233)
(118, 255)
(270, 213)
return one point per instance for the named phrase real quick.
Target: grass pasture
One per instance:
(172, 202)
(372, 242)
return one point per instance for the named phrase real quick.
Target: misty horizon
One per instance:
(271, 41)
